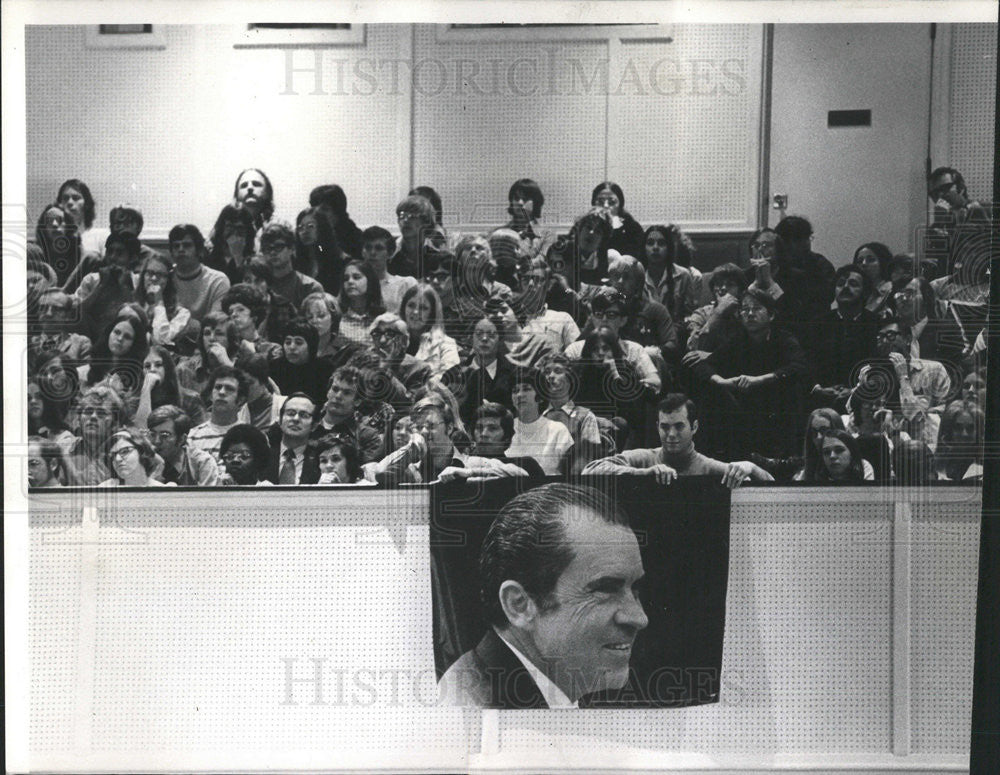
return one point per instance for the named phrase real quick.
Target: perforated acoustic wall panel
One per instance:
(972, 120)
(169, 130)
(945, 550)
(688, 111)
(53, 638)
(310, 627)
(239, 631)
(489, 112)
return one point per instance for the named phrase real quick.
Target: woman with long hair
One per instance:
(58, 378)
(317, 252)
(320, 310)
(488, 377)
(131, 459)
(58, 237)
(232, 241)
(118, 354)
(818, 423)
(610, 385)
(360, 301)
(874, 258)
(840, 459)
(47, 418)
(156, 291)
(421, 310)
(667, 281)
(960, 441)
(626, 233)
(160, 386)
(75, 199)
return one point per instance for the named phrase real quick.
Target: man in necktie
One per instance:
(292, 461)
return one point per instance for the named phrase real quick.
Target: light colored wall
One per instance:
(170, 130)
(164, 628)
(972, 117)
(854, 184)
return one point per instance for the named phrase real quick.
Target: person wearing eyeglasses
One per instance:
(99, 411)
(244, 452)
(923, 385)
(430, 454)
(132, 459)
(952, 204)
(168, 427)
(418, 227)
(390, 336)
(290, 460)
(277, 244)
(53, 324)
(936, 333)
(752, 399)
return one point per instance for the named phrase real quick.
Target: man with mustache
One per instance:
(560, 572)
(842, 338)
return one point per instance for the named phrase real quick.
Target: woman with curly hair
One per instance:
(132, 460)
(244, 452)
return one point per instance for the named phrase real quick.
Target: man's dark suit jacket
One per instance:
(491, 676)
(310, 466)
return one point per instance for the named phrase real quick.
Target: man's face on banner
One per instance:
(585, 632)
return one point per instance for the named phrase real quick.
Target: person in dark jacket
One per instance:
(627, 236)
(753, 385)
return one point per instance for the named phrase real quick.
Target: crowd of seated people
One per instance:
(266, 353)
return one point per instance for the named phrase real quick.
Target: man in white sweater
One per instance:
(199, 288)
